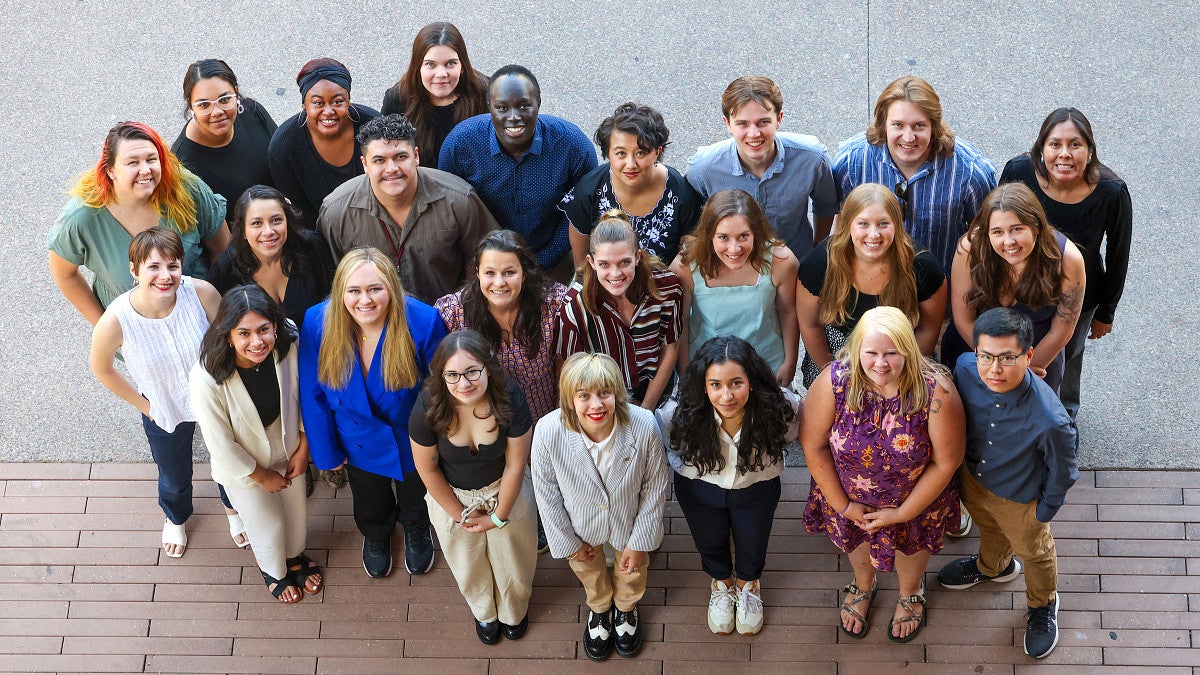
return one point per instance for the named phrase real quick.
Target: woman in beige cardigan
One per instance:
(245, 394)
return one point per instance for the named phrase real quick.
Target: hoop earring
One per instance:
(302, 118)
(354, 116)
(241, 109)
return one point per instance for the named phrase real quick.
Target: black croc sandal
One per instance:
(858, 596)
(278, 586)
(307, 569)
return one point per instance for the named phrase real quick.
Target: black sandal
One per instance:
(306, 569)
(278, 586)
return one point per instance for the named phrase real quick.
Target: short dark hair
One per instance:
(642, 121)
(394, 127)
(158, 238)
(202, 70)
(514, 69)
(1091, 171)
(1002, 322)
(216, 352)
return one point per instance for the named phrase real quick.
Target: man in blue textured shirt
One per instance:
(1019, 464)
(521, 163)
(782, 170)
(940, 180)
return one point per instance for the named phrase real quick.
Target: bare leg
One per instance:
(864, 578)
(911, 571)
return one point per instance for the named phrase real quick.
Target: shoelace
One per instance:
(723, 599)
(1040, 618)
(596, 628)
(749, 600)
(628, 625)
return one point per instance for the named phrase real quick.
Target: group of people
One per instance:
(496, 339)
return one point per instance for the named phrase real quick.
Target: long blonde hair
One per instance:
(914, 392)
(901, 288)
(342, 334)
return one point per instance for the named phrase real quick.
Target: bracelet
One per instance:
(499, 523)
(843, 511)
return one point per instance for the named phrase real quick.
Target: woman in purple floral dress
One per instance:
(883, 434)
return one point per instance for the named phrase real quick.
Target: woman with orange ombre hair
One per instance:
(137, 184)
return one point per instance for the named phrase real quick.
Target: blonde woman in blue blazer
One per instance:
(363, 355)
(245, 395)
(600, 476)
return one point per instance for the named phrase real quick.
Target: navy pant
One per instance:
(172, 452)
(379, 501)
(713, 513)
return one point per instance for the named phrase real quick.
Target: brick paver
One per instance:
(83, 587)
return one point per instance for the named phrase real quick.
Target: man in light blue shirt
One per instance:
(940, 180)
(783, 171)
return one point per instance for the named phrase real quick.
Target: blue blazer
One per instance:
(365, 423)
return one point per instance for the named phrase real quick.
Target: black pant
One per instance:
(713, 513)
(379, 501)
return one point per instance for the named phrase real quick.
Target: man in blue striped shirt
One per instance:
(940, 179)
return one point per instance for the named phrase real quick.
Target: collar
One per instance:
(734, 162)
(722, 435)
(880, 155)
(534, 149)
(1009, 399)
(428, 191)
(601, 445)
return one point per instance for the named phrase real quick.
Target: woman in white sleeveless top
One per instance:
(158, 327)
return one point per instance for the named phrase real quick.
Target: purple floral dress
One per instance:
(879, 454)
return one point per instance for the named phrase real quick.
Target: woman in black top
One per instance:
(1088, 202)
(471, 432)
(226, 137)
(439, 89)
(314, 152)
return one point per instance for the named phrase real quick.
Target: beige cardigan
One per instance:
(233, 432)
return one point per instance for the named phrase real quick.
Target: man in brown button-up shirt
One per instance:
(440, 217)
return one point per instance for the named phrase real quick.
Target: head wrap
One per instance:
(335, 74)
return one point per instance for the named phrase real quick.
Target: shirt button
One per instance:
(989, 442)
(983, 461)
(979, 474)
(997, 405)
(604, 507)
(992, 424)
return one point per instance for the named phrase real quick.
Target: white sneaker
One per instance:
(722, 604)
(749, 608)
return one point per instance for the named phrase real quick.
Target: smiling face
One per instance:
(594, 409)
(872, 232)
(327, 107)
(391, 166)
(728, 388)
(1066, 154)
(631, 166)
(440, 70)
(158, 275)
(266, 228)
(909, 132)
(514, 107)
(615, 265)
(366, 297)
(136, 170)
(466, 366)
(253, 339)
(214, 104)
(753, 128)
(1010, 238)
(733, 241)
(501, 278)
(881, 362)
(999, 377)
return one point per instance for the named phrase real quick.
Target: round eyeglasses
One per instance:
(472, 375)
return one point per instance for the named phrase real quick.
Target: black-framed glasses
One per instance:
(472, 375)
(901, 192)
(1006, 360)
(226, 102)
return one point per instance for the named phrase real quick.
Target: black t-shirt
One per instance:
(263, 385)
(307, 284)
(230, 169)
(443, 121)
(812, 274)
(462, 469)
(299, 171)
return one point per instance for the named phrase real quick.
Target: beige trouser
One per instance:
(606, 587)
(1007, 527)
(494, 570)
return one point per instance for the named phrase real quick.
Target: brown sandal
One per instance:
(858, 596)
(906, 601)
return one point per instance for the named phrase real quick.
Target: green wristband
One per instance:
(499, 523)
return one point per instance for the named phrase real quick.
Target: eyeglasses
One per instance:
(226, 102)
(1006, 360)
(901, 192)
(472, 375)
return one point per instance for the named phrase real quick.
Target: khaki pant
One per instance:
(1008, 527)
(494, 570)
(605, 587)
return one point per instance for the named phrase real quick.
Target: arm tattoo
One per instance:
(1069, 302)
(935, 406)
(434, 458)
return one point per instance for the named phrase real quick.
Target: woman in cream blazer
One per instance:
(245, 392)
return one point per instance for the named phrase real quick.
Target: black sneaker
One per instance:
(598, 635)
(418, 547)
(489, 633)
(377, 557)
(964, 573)
(628, 628)
(517, 631)
(543, 544)
(1041, 630)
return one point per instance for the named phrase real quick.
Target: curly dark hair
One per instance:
(527, 328)
(387, 128)
(641, 121)
(300, 250)
(216, 353)
(768, 415)
(440, 415)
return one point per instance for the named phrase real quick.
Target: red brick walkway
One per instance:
(85, 588)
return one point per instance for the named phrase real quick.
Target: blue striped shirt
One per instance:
(943, 195)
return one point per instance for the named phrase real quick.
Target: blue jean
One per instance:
(172, 452)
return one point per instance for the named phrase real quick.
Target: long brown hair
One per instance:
(472, 84)
(614, 228)
(527, 327)
(1040, 283)
(921, 94)
(697, 247)
(901, 288)
(440, 414)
